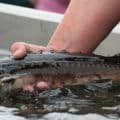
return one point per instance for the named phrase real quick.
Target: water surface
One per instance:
(100, 101)
(70, 103)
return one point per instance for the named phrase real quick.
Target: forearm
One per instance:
(86, 23)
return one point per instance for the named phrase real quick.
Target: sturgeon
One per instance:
(58, 69)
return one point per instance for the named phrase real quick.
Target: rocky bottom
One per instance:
(102, 99)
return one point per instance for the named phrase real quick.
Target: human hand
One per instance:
(19, 50)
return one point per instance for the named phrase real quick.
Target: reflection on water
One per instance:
(66, 116)
(70, 103)
(96, 101)
(9, 113)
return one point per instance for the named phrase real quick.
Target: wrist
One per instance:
(69, 46)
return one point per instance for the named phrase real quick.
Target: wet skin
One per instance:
(85, 24)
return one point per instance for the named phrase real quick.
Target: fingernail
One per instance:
(17, 54)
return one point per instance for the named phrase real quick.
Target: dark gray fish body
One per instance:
(61, 68)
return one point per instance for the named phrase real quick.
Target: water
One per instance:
(70, 103)
(96, 101)
(8, 113)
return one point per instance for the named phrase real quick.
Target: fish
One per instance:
(58, 69)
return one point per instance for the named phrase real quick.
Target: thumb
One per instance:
(18, 50)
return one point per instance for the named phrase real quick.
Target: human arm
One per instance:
(86, 23)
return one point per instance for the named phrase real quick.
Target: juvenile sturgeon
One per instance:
(59, 69)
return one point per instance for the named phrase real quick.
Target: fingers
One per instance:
(41, 85)
(29, 88)
(32, 83)
(20, 49)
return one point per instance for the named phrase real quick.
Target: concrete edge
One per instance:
(37, 14)
(30, 13)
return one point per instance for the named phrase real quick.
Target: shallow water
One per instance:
(8, 113)
(96, 101)
(70, 103)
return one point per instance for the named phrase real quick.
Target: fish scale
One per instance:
(59, 64)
